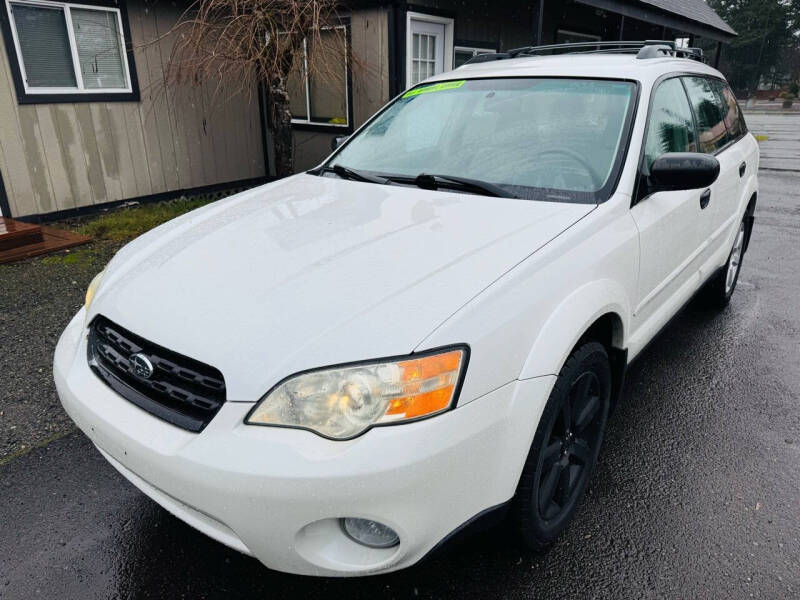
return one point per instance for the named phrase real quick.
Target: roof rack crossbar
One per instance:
(644, 49)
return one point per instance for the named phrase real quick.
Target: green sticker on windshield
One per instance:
(436, 87)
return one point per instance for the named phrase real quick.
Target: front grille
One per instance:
(181, 390)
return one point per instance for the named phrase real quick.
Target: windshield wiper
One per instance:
(429, 181)
(353, 174)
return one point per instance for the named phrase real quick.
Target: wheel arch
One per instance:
(608, 330)
(599, 310)
(751, 203)
(749, 219)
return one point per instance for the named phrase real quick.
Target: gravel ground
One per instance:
(38, 297)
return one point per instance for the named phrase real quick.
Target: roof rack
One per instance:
(644, 49)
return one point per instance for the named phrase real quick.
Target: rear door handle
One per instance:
(705, 198)
(742, 169)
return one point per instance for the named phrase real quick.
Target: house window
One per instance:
(462, 54)
(317, 84)
(429, 46)
(565, 36)
(68, 49)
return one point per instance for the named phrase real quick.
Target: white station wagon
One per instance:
(339, 371)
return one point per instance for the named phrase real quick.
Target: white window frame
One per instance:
(475, 51)
(307, 120)
(76, 65)
(449, 40)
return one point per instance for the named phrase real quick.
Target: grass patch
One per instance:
(761, 138)
(127, 223)
(71, 257)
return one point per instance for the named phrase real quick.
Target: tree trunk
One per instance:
(281, 119)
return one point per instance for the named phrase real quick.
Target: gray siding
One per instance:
(62, 156)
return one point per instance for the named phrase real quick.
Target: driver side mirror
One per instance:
(338, 141)
(682, 171)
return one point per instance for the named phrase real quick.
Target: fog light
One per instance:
(370, 533)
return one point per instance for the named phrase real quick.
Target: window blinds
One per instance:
(44, 43)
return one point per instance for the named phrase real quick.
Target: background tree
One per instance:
(768, 38)
(240, 44)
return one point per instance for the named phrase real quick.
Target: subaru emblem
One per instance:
(141, 366)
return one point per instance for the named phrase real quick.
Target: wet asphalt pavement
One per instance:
(697, 494)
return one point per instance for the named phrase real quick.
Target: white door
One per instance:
(713, 128)
(673, 225)
(427, 50)
(429, 47)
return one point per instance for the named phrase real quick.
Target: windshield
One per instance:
(536, 138)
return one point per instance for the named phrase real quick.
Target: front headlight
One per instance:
(92, 289)
(343, 402)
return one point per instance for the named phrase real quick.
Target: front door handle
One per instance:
(742, 169)
(705, 198)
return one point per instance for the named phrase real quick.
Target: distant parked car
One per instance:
(337, 372)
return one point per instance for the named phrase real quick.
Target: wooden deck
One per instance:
(20, 240)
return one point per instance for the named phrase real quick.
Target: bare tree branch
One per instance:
(240, 44)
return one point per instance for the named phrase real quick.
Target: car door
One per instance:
(714, 137)
(745, 144)
(673, 225)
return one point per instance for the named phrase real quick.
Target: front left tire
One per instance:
(565, 447)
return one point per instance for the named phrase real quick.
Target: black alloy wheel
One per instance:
(569, 452)
(565, 447)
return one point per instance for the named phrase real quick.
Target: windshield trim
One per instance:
(597, 197)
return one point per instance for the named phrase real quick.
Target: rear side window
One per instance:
(710, 112)
(670, 128)
(733, 116)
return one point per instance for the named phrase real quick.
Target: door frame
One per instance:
(449, 39)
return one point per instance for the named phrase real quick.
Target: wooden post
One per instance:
(716, 56)
(621, 27)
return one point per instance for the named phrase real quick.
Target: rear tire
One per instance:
(565, 448)
(721, 287)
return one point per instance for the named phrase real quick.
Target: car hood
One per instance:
(312, 271)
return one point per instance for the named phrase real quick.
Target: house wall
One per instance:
(516, 25)
(63, 156)
(586, 19)
(477, 22)
(506, 24)
(369, 45)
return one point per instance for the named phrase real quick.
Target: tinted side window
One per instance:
(733, 116)
(670, 127)
(708, 109)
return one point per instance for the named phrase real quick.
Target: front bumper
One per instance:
(277, 494)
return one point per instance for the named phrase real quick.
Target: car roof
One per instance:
(595, 65)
